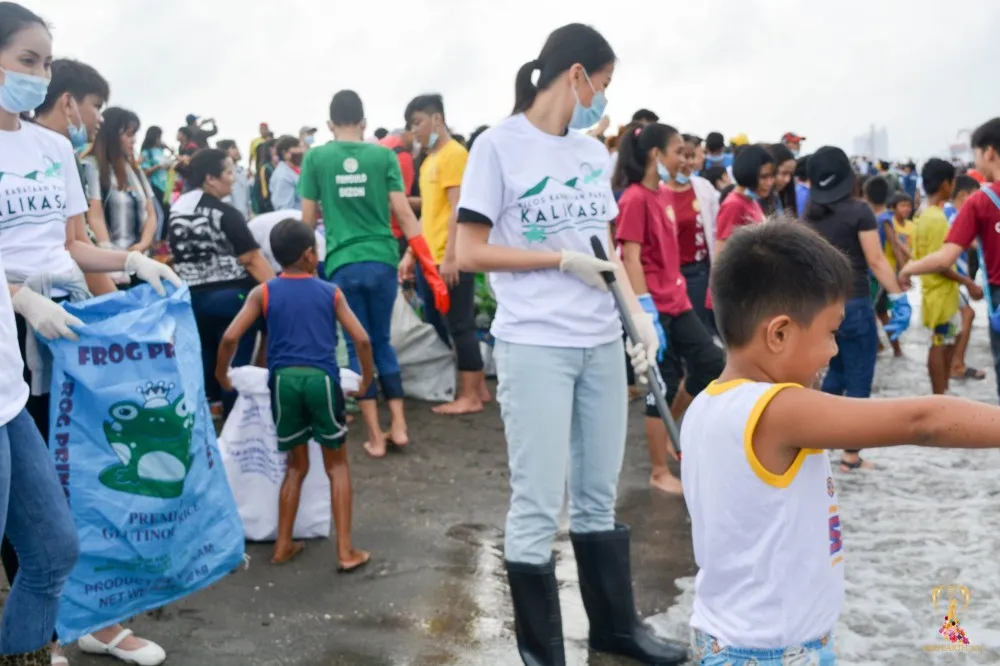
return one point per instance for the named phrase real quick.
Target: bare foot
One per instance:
(354, 561)
(666, 482)
(376, 446)
(634, 393)
(349, 419)
(461, 406)
(287, 555)
(399, 436)
(484, 393)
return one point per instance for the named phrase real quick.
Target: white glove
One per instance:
(586, 267)
(45, 316)
(642, 353)
(151, 271)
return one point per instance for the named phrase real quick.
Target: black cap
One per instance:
(831, 177)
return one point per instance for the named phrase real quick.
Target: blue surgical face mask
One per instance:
(584, 117)
(22, 92)
(78, 135)
(310, 139)
(662, 172)
(433, 139)
(795, 154)
(681, 179)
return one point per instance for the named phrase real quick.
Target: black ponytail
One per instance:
(565, 47)
(524, 89)
(633, 151)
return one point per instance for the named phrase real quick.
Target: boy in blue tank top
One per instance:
(302, 312)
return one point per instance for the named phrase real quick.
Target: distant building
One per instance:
(874, 144)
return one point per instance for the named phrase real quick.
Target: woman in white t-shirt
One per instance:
(533, 195)
(40, 200)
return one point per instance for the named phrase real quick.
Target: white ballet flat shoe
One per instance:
(150, 654)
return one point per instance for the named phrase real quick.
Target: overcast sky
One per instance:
(923, 68)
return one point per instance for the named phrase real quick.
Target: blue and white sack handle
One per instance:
(982, 260)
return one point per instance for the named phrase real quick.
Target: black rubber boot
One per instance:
(602, 560)
(42, 657)
(537, 617)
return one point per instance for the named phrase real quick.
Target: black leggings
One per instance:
(689, 346)
(458, 327)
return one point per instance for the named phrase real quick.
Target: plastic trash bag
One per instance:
(134, 448)
(249, 448)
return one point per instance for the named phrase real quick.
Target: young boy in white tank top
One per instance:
(765, 518)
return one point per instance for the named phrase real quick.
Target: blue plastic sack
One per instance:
(134, 446)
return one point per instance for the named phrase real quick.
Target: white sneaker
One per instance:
(149, 654)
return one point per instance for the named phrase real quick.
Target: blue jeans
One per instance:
(708, 652)
(853, 368)
(370, 288)
(35, 517)
(214, 310)
(564, 410)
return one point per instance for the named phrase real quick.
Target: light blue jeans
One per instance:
(36, 517)
(564, 412)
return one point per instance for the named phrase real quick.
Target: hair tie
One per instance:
(637, 132)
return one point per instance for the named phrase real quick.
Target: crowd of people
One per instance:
(751, 271)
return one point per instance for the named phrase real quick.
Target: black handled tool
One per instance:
(654, 382)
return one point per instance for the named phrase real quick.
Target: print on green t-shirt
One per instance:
(352, 181)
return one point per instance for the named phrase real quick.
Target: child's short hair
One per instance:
(778, 267)
(987, 135)
(898, 198)
(714, 142)
(965, 183)
(877, 190)
(289, 240)
(936, 172)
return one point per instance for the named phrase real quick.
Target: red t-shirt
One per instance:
(683, 208)
(980, 217)
(405, 158)
(736, 211)
(642, 218)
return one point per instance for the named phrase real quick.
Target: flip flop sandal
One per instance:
(974, 373)
(396, 448)
(346, 570)
(59, 661)
(851, 466)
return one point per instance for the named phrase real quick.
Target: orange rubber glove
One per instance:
(422, 251)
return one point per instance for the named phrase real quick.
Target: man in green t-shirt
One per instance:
(358, 184)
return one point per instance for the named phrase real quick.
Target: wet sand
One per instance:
(435, 592)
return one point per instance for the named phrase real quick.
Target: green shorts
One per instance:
(307, 403)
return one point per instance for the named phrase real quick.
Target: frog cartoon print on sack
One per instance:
(152, 442)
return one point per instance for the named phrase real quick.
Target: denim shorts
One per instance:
(708, 652)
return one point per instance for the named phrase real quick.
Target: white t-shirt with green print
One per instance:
(544, 192)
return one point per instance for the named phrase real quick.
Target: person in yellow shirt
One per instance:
(265, 135)
(440, 185)
(899, 249)
(940, 290)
